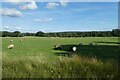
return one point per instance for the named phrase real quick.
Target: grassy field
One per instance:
(35, 57)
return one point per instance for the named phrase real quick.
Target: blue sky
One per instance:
(56, 16)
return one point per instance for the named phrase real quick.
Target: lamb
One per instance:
(11, 46)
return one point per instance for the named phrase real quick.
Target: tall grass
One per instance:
(60, 67)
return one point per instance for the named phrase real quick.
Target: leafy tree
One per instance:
(27, 34)
(21, 34)
(40, 34)
(32, 34)
(0, 34)
(16, 34)
(5, 33)
(116, 32)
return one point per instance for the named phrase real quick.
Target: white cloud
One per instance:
(6, 27)
(64, 2)
(18, 28)
(13, 1)
(12, 27)
(24, 4)
(17, 0)
(10, 12)
(32, 5)
(52, 5)
(43, 20)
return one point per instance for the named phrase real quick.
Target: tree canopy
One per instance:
(113, 33)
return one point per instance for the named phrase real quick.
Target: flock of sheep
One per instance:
(74, 48)
(11, 46)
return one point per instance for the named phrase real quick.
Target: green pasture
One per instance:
(35, 57)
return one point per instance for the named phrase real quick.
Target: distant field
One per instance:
(35, 57)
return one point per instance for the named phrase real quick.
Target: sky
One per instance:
(59, 16)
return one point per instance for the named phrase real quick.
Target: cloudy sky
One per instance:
(59, 16)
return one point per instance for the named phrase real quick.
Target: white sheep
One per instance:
(74, 49)
(21, 40)
(11, 46)
(58, 47)
(11, 40)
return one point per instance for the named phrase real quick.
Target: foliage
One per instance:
(116, 32)
(40, 34)
(5, 33)
(113, 33)
(16, 33)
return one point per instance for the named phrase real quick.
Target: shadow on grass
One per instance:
(65, 54)
(99, 51)
(109, 42)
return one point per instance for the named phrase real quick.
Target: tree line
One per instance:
(113, 33)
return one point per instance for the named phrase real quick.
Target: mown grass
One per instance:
(36, 58)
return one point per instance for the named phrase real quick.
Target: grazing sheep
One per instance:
(58, 47)
(11, 46)
(74, 49)
(11, 40)
(21, 40)
(91, 44)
